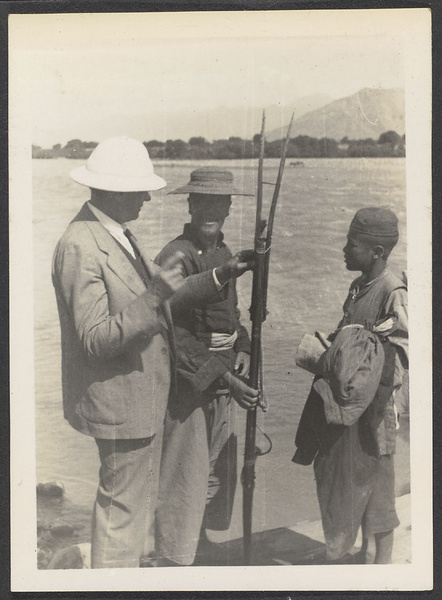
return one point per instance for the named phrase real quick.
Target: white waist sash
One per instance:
(222, 341)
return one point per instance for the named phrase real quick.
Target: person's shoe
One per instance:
(166, 562)
(347, 559)
(148, 560)
(209, 553)
(153, 560)
(360, 558)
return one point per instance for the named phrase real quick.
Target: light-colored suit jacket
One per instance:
(116, 366)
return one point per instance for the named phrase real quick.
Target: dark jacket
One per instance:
(194, 322)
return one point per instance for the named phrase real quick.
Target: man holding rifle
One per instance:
(198, 467)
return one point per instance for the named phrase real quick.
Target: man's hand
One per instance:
(170, 278)
(237, 265)
(246, 396)
(242, 364)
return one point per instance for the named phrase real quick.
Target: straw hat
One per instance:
(211, 181)
(119, 164)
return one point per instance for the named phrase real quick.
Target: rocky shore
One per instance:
(58, 528)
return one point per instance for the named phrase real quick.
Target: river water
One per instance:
(308, 284)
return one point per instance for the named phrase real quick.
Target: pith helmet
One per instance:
(211, 181)
(119, 164)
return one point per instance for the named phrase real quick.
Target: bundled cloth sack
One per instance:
(352, 369)
(354, 384)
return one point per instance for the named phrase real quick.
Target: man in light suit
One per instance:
(117, 344)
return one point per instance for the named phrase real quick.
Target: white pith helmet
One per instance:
(119, 164)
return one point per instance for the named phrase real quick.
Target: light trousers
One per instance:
(123, 515)
(198, 473)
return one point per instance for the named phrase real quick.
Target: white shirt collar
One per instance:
(113, 227)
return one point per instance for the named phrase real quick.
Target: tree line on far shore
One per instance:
(389, 144)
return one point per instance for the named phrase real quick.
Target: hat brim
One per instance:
(117, 183)
(213, 190)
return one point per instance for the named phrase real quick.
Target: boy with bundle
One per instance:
(349, 422)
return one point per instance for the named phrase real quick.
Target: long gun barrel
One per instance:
(258, 314)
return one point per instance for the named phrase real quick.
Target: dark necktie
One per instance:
(138, 253)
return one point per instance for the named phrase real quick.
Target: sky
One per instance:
(82, 68)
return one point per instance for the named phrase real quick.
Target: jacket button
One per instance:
(164, 350)
(346, 314)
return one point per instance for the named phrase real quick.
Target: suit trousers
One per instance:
(123, 515)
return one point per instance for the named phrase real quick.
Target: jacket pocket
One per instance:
(105, 402)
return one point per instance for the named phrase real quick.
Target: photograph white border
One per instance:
(413, 28)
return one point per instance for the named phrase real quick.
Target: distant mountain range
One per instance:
(218, 123)
(366, 114)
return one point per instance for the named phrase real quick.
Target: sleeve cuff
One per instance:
(219, 286)
(212, 370)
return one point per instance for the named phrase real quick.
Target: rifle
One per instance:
(258, 313)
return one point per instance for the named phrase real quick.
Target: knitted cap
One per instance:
(379, 222)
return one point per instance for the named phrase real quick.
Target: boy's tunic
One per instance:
(198, 467)
(353, 468)
(365, 305)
